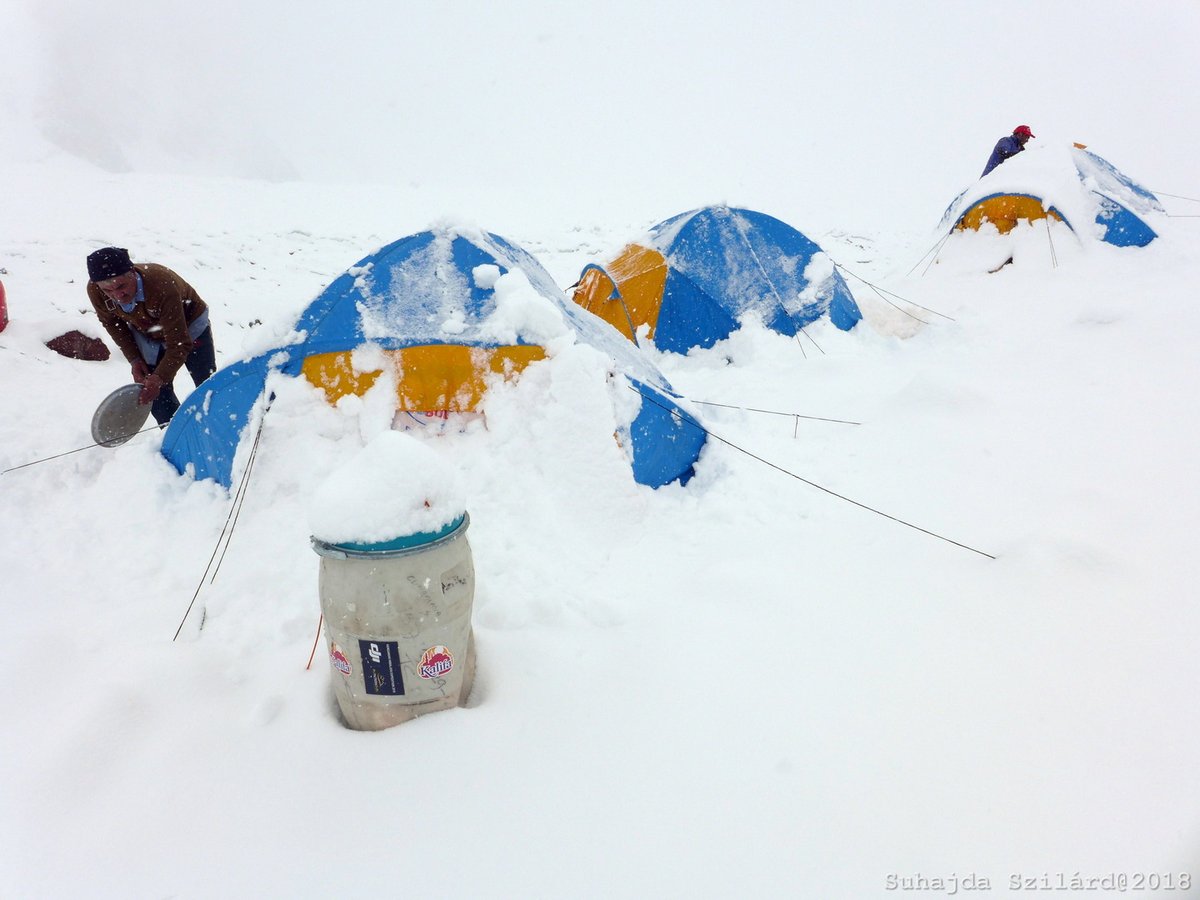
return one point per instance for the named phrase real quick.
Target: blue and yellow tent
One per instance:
(429, 302)
(696, 276)
(1030, 187)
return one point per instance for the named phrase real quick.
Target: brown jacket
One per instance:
(171, 304)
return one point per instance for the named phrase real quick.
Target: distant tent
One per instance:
(695, 277)
(429, 302)
(1030, 187)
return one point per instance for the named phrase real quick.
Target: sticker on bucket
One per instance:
(435, 662)
(381, 667)
(338, 658)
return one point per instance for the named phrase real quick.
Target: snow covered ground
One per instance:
(743, 687)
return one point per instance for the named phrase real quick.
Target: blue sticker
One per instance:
(381, 667)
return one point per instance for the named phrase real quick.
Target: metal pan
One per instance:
(119, 416)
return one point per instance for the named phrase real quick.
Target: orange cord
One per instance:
(316, 640)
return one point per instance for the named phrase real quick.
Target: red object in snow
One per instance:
(3, 308)
(77, 345)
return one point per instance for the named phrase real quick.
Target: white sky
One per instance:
(759, 103)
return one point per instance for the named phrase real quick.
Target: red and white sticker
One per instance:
(339, 660)
(435, 662)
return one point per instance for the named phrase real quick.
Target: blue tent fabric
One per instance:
(399, 297)
(203, 436)
(724, 262)
(690, 316)
(1121, 227)
(1124, 205)
(661, 436)
(399, 284)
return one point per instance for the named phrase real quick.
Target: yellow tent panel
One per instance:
(449, 377)
(642, 274)
(1004, 211)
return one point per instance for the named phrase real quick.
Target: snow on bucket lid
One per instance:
(398, 547)
(394, 494)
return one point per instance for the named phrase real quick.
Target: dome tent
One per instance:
(696, 276)
(432, 303)
(1067, 184)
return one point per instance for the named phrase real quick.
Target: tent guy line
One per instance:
(1050, 238)
(774, 412)
(231, 520)
(68, 453)
(1175, 196)
(819, 487)
(804, 352)
(1179, 197)
(881, 291)
(935, 249)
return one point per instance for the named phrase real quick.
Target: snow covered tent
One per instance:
(697, 275)
(447, 311)
(1066, 184)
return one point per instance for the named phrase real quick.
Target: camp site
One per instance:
(644, 457)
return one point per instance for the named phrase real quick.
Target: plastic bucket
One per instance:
(398, 625)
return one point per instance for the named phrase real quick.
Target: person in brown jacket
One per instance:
(156, 320)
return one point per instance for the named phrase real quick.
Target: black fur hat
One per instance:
(108, 262)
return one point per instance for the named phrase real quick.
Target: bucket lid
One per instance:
(396, 546)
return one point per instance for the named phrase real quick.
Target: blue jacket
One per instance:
(1005, 148)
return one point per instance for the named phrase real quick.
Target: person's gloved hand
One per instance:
(140, 371)
(151, 385)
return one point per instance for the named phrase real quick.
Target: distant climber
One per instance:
(156, 320)
(1008, 147)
